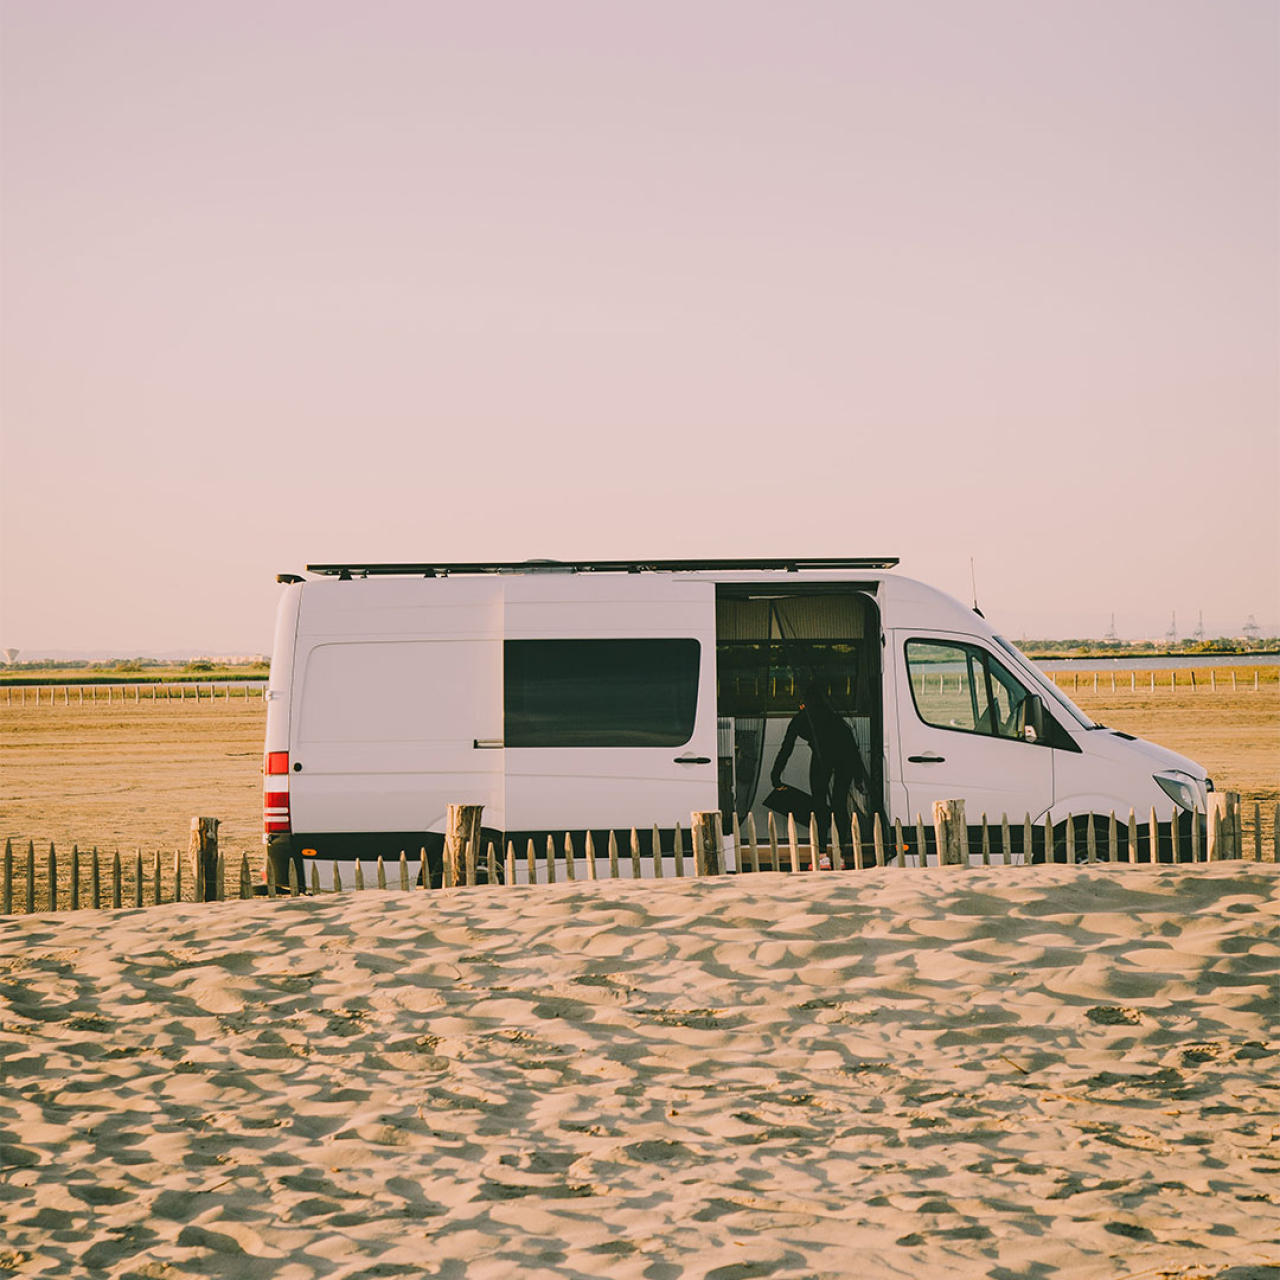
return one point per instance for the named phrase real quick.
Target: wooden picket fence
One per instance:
(112, 695)
(1172, 678)
(949, 840)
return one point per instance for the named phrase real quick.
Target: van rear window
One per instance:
(600, 693)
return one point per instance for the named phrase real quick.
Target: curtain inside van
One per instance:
(798, 678)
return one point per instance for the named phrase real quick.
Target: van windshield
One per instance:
(1030, 669)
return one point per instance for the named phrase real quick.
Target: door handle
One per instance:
(486, 744)
(928, 758)
(693, 760)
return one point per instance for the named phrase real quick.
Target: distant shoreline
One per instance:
(1146, 655)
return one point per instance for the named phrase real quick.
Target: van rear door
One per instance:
(609, 702)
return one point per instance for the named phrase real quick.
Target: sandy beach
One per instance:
(1051, 1075)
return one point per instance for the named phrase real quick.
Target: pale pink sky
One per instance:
(290, 282)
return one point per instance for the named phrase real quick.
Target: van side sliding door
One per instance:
(609, 718)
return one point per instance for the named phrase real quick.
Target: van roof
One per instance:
(442, 569)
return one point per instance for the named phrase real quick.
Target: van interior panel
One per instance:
(799, 705)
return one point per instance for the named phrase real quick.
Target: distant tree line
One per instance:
(133, 666)
(1223, 644)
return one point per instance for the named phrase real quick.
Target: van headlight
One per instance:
(1181, 788)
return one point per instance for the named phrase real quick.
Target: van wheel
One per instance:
(1081, 851)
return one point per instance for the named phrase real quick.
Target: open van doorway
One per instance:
(800, 708)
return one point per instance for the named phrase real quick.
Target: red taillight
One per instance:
(275, 804)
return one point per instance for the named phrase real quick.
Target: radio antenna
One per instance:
(973, 578)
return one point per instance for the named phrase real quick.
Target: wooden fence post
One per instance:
(6, 890)
(657, 852)
(1223, 809)
(246, 887)
(51, 870)
(793, 842)
(636, 871)
(708, 843)
(202, 847)
(155, 877)
(678, 851)
(951, 832)
(462, 832)
(117, 875)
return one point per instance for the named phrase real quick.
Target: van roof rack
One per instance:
(441, 569)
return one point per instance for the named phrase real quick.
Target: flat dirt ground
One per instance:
(1236, 736)
(130, 776)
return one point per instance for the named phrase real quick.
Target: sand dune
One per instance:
(1054, 1075)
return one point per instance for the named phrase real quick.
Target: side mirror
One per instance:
(1033, 725)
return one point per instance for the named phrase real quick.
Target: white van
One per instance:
(606, 695)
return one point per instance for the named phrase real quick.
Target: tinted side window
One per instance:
(600, 693)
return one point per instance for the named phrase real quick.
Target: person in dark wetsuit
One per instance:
(834, 760)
